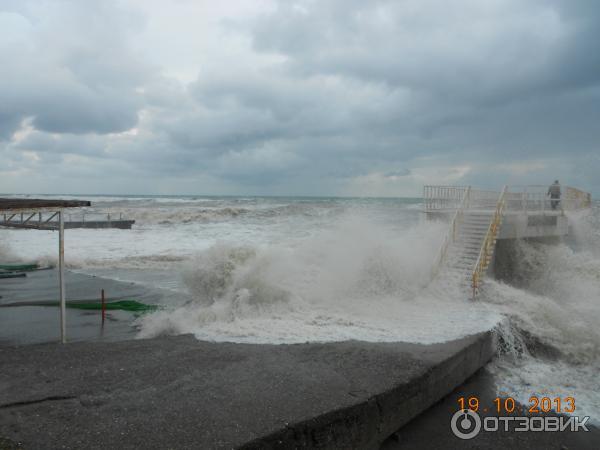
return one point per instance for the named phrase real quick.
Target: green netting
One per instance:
(124, 305)
(19, 267)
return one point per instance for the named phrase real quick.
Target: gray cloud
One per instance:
(329, 97)
(69, 68)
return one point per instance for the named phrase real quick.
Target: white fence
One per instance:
(517, 198)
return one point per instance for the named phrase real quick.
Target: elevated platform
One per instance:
(34, 204)
(177, 392)
(479, 218)
(521, 224)
(53, 225)
(533, 224)
(35, 214)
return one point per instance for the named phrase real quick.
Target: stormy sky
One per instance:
(328, 97)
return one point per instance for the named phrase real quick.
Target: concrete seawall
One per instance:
(177, 392)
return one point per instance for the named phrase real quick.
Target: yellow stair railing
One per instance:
(488, 244)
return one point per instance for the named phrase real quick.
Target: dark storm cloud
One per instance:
(492, 50)
(325, 96)
(486, 81)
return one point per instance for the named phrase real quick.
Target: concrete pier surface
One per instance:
(178, 392)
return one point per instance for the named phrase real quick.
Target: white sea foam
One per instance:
(358, 280)
(554, 318)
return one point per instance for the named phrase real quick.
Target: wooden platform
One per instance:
(30, 204)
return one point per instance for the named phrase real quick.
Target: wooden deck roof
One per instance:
(30, 204)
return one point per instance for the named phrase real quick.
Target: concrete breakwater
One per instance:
(178, 392)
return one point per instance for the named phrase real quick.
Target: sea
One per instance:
(293, 269)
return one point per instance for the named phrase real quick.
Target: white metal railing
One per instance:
(452, 230)
(443, 197)
(531, 198)
(489, 243)
(94, 217)
(536, 198)
(45, 217)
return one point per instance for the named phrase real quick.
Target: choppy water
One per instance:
(305, 269)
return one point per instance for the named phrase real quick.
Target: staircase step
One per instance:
(478, 236)
(476, 224)
(476, 220)
(469, 239)
(470, 250)
(468, 229)
(465, 259)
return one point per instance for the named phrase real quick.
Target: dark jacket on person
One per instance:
(554, 191)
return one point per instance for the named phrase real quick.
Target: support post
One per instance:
(61, 277)
(103, 308)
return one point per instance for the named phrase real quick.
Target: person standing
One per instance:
(554, 193)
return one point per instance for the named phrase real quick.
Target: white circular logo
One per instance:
(462, 421)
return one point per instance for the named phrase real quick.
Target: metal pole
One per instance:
(103, 307)
(61, 277)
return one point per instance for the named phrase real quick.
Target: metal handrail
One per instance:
(487, 246)
(443, 197)
(530, 198)
(451, 235)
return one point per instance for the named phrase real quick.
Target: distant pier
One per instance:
(38, 221)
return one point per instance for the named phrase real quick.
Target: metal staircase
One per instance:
(468, 247)
(464, 251)
(488, 244)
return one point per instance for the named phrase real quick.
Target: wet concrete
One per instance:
(177, 392)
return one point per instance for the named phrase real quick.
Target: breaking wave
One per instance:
(175, 216)
(359, 280)
(552, 337)
(148, 212)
